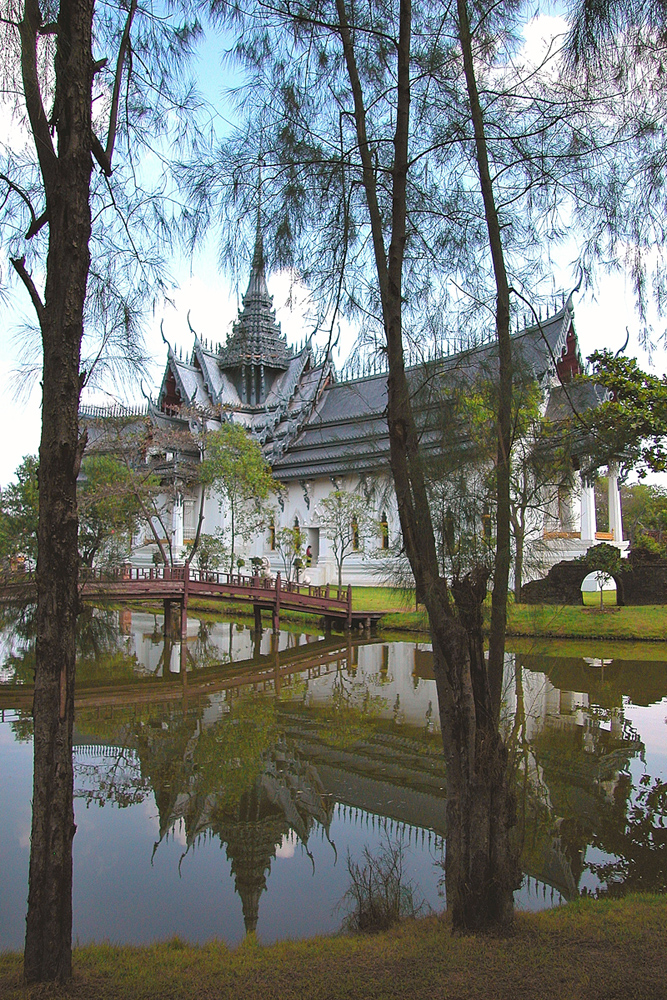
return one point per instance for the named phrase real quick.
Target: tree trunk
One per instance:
(481, 870)
(504, 420)
(519, 533)
(200, 521)
(48, 943)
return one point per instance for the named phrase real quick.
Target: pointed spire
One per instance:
(258, 253)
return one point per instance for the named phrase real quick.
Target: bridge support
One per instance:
(258, 617)
(184, 618)
(276, 607)
(168, 621)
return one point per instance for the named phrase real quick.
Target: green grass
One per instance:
(591, 598)
(547, 620)
(649, 622)
(600, 950)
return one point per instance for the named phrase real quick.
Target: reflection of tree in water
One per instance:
(101, 652)
(575, 788)
(639, 843)
(116, 779)
(350, 715)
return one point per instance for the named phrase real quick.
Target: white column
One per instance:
(177, 524)
(615, 521)
(588, 521)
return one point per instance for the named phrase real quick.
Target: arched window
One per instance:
(297, 533)
(355, 533)
(384, 531)
(272, 534)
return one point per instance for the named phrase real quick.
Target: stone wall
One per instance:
(641, 581)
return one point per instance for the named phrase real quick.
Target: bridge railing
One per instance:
(333, 595)
(339, 595)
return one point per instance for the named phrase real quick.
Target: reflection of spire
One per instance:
(251, 847)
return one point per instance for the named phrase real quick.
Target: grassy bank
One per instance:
(592, 949)
(631, 623)
(641, 623)
(547, 620)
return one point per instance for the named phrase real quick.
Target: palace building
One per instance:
(319, 432)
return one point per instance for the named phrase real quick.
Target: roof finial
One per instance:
(258, 255)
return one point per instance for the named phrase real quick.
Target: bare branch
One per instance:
(28, 29)
(100, 155)
(18, 264)
(122, 51)
(35, 222)
(36, 225)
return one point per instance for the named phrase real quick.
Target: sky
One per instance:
(601, 316)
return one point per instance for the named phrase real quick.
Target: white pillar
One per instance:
(588, 521)
(177, 524)
(615, 521)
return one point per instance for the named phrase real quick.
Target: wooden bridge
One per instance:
(176, 585)
(195, 687)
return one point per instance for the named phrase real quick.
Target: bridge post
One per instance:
(349, 605)
(258, 617)
(276, 606)
(167, 618)
(184, 617)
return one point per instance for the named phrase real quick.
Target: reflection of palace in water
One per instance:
(264, 757)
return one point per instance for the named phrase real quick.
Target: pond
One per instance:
(228, 798)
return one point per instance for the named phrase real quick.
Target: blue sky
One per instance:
(601, 316)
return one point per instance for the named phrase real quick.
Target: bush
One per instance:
(647, 549)
(379, 895)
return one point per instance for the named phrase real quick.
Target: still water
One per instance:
(228, 797)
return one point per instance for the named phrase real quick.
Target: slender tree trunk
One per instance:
(519, 537)
(200, 521)
(231, 557)
(481, 870)
(48, 944)
(504, 423)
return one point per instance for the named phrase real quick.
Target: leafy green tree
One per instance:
(362, 108)
(19, 515)
(348, 523)
(462, 476)
(108, 505)
(605, 561)
(290, 545)
(644, 512)
(235, 470)
(630, 426)
(211, 552)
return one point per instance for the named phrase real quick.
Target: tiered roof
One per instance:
(347, 431)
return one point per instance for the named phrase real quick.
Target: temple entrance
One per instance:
(312, 543)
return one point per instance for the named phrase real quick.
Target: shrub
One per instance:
(648, 549)
(379, 895)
